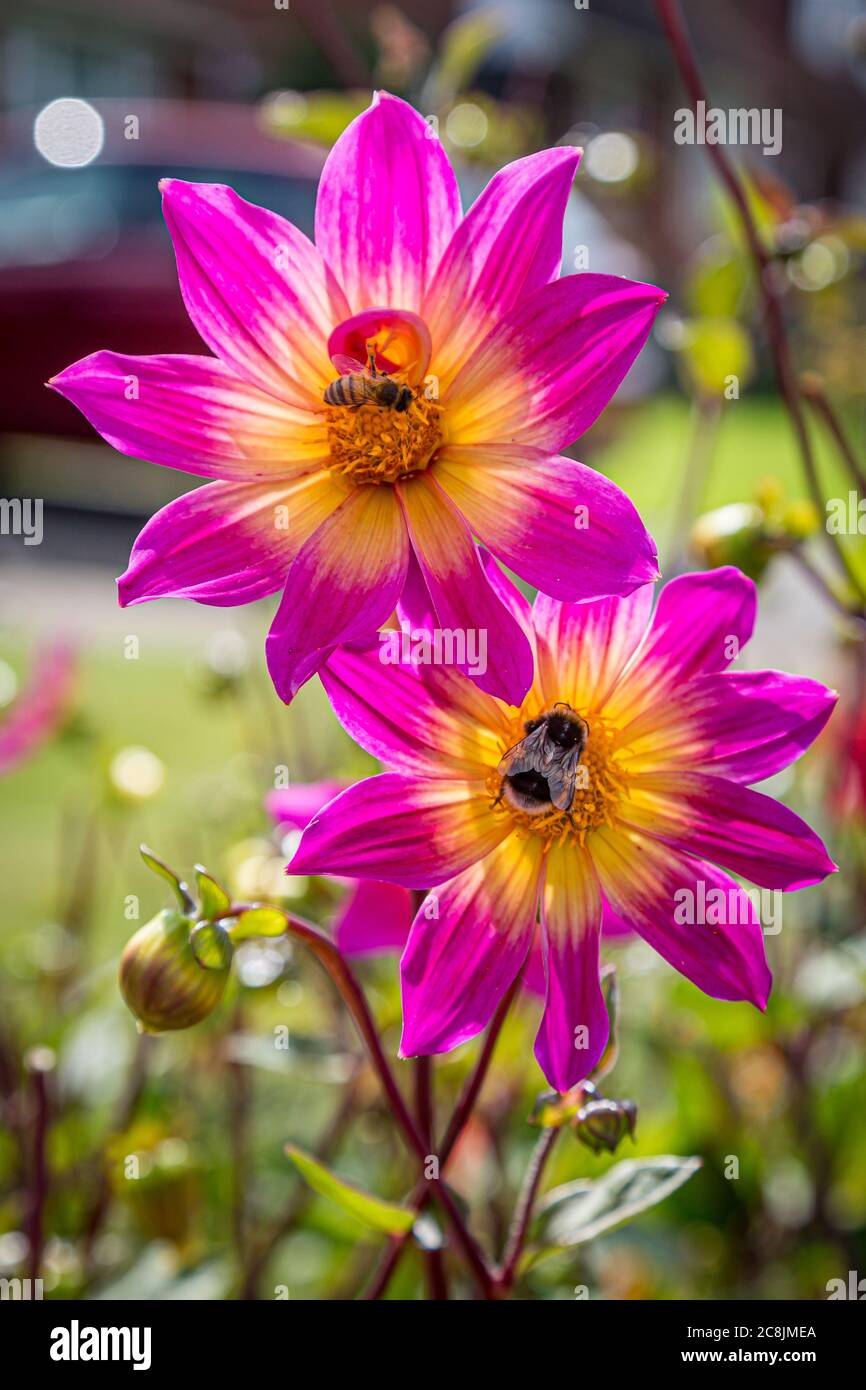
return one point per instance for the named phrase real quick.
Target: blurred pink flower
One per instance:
(41, 707)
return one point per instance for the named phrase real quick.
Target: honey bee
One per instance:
(540, 771)
(360, 383)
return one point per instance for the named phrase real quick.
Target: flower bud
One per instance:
(601, 1124)
(734, 535)
(164, 982)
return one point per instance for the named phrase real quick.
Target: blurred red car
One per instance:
(85, 259)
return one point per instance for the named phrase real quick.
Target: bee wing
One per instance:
(524, 756)
(346, 366)
(561, 774)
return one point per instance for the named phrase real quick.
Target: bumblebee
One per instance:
(360, 384)
(540, 772)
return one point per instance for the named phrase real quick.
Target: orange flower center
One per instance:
(599, 786)
(373, 443)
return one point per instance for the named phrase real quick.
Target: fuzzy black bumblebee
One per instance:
(540, 772)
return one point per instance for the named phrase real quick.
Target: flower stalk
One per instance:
(523, 1211)
(670, 14)
(353, 996)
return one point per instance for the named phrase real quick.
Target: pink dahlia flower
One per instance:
(664, 809)
(505, 364)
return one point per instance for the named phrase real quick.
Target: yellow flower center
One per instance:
(599, 786)
(371, 443)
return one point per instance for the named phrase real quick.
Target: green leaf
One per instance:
(211, 946)
(372, 1211)
(318, 116)
(214, 901)
(181, 890)
(462, 49)
(714, 349)
(580, 1211)
(257, 921)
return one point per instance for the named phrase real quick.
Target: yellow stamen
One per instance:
(600, 787)
(371, 444)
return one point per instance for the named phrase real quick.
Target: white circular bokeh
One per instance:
(69, 132)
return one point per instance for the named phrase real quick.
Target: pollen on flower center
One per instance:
(370, 443)
(599, 786)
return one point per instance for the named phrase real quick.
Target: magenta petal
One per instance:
(750, 724)
(255, 287)
(345, 581)
(701, 623)
(376, 917)
(508, 593)
(548, 370)
(561, 527)
(397, 828)
(192, 413)
(388, 205)
(508, 244)
(296, 805)
(467, 944)
(651, 886)
(462, 596)
(743, 830)
(415, 608)
(217, 544)
(583, 648)
(534, 980)
(398, 714)
(575, 1026)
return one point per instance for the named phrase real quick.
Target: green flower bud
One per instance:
(601, 1124)
(734, 535)
(164, 981)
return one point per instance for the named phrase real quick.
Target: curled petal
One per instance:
(467, 944)
(398, 339)
(547, 371)
(226, 543)
(664, 894)
(344, 581)
(464, 600)
(741, 829)
(388, 205)
(256, 289)
(397, 828)
(192, 413)
(575, 1025)
(508, 244)
(561, 527)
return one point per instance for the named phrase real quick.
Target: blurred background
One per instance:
(159, 723)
